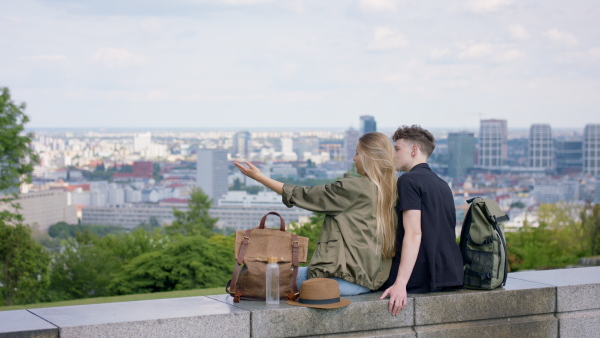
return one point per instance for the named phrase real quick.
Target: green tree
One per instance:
(189, 263)
(16, 156)
(590, 223)
(196, 220)
(565, 233)
(153, 224)
(81, 270)
(23, 262)
(86, 265)
(312, 230)
(63, 230)
(541, 248)
(237, 185)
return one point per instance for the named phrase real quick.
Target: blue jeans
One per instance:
(346, 288)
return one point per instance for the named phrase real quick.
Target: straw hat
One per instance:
(322, 293)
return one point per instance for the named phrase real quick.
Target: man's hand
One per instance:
(398, 298)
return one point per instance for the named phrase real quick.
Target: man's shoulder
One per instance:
(423, 178)
(410, 178)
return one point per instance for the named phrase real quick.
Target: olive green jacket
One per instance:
(348, 247)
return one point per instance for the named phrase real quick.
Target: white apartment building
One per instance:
(41, 209)
(240, 210)
(493, 149)
(141, 141)
(540, 153)
(591, 149)
(127, 215)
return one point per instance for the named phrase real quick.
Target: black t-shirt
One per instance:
(439, 263)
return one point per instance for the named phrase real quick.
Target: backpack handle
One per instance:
(282, 222)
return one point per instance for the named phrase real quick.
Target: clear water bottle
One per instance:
(272, 295)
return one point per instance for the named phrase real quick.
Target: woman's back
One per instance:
(348, 247)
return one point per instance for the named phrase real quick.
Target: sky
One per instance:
(301, 63)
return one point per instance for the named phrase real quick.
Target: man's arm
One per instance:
(410, 250)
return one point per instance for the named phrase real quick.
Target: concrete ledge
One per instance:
(518, 298)
(555, 303)
(541, 326)
(365, 313)
(22, 323)
(177, 317)
(576, 289)
(579, 323)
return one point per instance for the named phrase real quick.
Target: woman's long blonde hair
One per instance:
(377, 156)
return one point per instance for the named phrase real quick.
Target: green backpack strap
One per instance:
(491, 210)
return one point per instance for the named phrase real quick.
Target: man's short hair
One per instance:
(416, 135)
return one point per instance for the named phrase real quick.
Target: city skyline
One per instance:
(245, 64)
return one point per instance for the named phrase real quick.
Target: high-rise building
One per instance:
(367, 124)
(461, 153)
(350, 142)
(141, 141)
(591, 149)
(287, 145)
(493, 149)
(241, 144)
(540, 153)
(212, 171)
(568, 156)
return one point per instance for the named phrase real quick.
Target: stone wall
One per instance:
(552, 303)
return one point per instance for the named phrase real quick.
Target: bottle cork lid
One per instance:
(272, 259)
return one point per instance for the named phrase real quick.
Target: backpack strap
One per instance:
(486, 275)
(295, 247)
(485, 241)
(264, 219)
(232, 285)
(502, 219)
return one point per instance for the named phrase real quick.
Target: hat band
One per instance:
(319, 301)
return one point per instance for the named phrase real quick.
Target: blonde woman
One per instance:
(357, 241)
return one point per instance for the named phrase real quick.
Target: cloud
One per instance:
(378, 5)
(242, 2)
(507, 55)
(386, 39)
(595, 52)
(152, 24)
(47, 57)
(442, 54)
(11, 19)
(476, 51)
(117, 58)
(563, 38)
(482, 6)
(519, 32)
(149, 95)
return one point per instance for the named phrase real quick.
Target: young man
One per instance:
(427, 256)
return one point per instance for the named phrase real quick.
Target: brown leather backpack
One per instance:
(253, 247)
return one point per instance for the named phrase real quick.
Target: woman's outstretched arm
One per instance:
(254, 173)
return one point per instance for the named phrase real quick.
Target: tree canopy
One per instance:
(195, 221)
(16, 156)
(23, 262)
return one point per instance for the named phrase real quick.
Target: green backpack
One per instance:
(483, 246)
